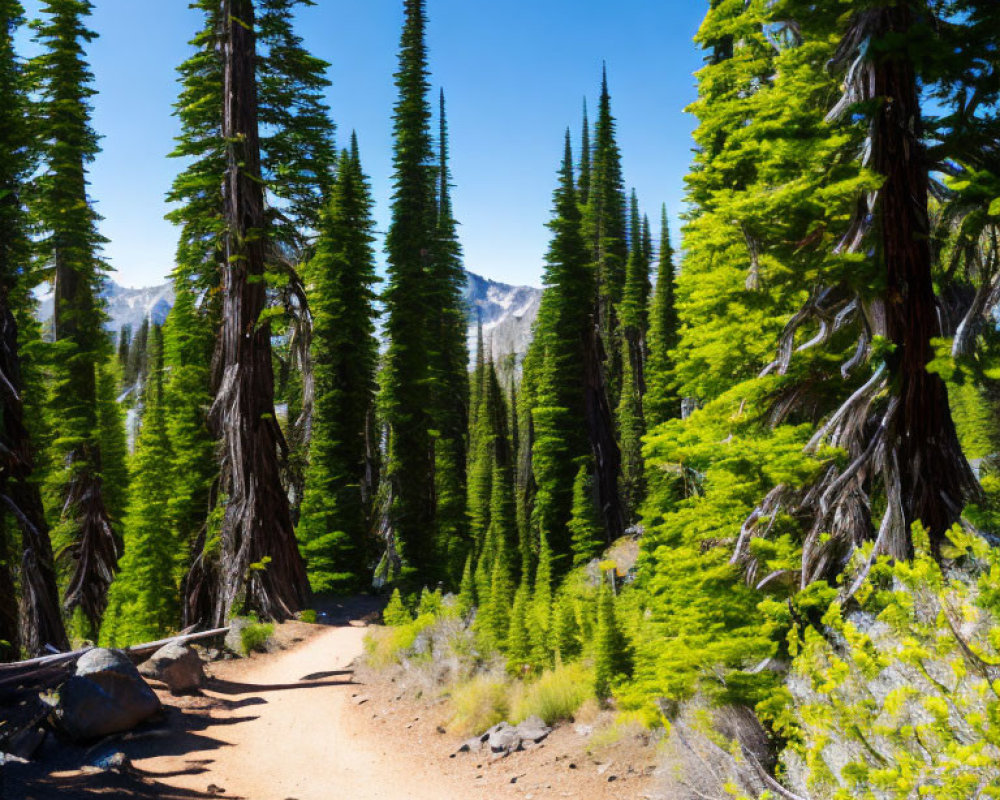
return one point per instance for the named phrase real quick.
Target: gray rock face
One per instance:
(176, 665)
(107, 695)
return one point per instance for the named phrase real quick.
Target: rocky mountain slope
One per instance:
(507, 312)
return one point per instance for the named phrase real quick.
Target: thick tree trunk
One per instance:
(935, 478)
(40, 617)
(260, 569)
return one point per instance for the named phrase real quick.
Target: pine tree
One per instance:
(70, 251)
(336, 510)
(612, 660)
(40, 621)
(540, 611)
(297, 155)
(114, 444)
(564, 326)
(144, 600)
(424, 425)
(585, 524)
(661, 403)
(635, 326)
(467, 588)
(605, 223)
(518, 643)
(449, 359)
(260, 568)
(583, 187)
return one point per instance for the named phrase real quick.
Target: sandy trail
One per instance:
(289, 734)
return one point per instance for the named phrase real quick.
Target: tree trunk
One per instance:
(260, 569)
(40, 616)
(935, 478)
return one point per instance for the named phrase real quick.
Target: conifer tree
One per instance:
(424, 391)
(518, 642)
(660, 402)
(612, 660)
(540, 611)
(467, 588)
(449, 359)
(336, 509)
(562, 327)
(144, 601)
(260, 568)
(70, 251)
(635, 326)
(114, 444)
(585, 524)
(40, 621)
(606, 226)
(583, 187)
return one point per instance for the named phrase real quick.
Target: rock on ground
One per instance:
(178, 666)
(107, 695)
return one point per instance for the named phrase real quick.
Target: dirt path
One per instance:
(287, 731)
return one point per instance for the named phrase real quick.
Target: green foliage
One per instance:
(585, 524)
(556, 696)
(518, 642)
(396, 613)
(899, 701)
(336, 513)
(254, 638)
(144, 601)
(612, 659)
(564, 320)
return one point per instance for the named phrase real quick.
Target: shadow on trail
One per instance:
(235, 688)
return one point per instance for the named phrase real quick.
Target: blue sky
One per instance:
(515, 74)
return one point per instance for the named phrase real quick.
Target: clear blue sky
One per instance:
(514, 72)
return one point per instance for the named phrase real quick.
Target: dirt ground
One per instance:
(294, 725)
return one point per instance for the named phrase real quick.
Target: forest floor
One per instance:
(294, 725)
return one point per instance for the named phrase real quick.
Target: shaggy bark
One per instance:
(897, 427)
(260, 568)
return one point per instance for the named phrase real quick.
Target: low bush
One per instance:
(556, 696)
(480, 703)
(255, 636)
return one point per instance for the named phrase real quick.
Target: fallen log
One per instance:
(46, 670)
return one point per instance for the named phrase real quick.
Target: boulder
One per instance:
(176, 665)
(504, 739)
(533, 730)
(107, 695)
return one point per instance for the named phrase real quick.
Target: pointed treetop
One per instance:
(355, 152)
(585, 156)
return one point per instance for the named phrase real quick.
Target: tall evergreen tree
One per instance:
(634, 330)
(144, 600)
(583, 187)
(407, 395)
(449, 359)
(565, 323)
(661, 403)
(70, 251)
(260, 568)
(606, 226)
(336, 510)
(40, 619)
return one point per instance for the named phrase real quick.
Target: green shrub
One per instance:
(386, 646)
(479, 704)
(308, 616)
(396, 613)
(556, 696)
(255, 636)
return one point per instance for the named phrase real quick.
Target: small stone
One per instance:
(360, 701)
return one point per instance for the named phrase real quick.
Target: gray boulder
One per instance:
(176, 665)
(504, 739)
(533, 730)
(107, 695)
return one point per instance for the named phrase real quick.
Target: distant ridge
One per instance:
(508, 312)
